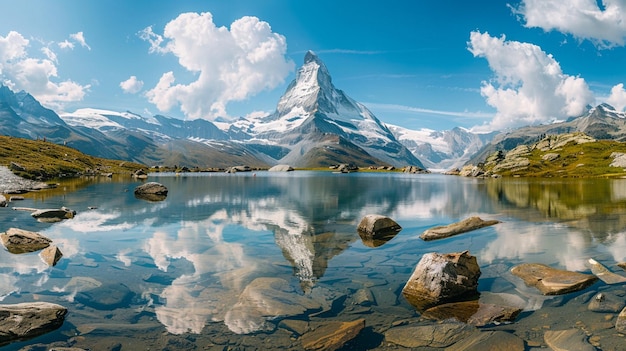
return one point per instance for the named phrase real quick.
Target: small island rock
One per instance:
(377, 226)
(19, 241)
(440, 278)
(281, 168)
(53, 214)
(27, 320)
(151, 191)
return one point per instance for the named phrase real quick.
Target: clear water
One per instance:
(172, 275)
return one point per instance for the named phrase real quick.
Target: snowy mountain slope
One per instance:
(441, 150)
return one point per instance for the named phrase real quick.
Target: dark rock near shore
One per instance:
(441, 278)
(19, 241)
(463, 226)
(27, 320)
(151, 191)
(473, 313)
(552, 281)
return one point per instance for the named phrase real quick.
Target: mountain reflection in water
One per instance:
(208, 259)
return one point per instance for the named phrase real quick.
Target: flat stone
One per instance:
(332, 335)
(434, 335)
(27, 320)
(567, 340)
(51, 255)
(441, 278)
(449, 230)
(473, 313)
(51, 215)
(489, 340)
(19, 241)
(604, 274)
(606, 302)
(552, 281)
(296, 326)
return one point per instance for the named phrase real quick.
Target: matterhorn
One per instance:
(317, 124)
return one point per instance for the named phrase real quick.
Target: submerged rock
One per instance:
(571, 339)
(376, 230)
(489, 340)
(606, 302)
(552, 281)
(19, 241)
(620, 323)
(440, 278)
(151, 191)
(449, 230)
(27, 320)
(435, 335)
(332, 335)
(473, 313)
(106, 297)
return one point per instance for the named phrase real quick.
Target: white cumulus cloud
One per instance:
(584, 19)
(131, 85)
(529, 86)
(617, 98)
(230, 64)
(38, 76)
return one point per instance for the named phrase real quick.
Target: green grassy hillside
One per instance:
(44, 160)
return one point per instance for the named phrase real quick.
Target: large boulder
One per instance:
(552, 281)
(463, 226)
(27, 320)
(151, 191)
(19, 241)
(376, 230)
(441, 278)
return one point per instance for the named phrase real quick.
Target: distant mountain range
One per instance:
(314, 125)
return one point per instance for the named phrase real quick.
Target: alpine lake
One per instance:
(260, 260)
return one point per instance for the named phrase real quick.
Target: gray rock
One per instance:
(27, 320)
(19, 241)
(463, 226)
(151, 191)
(53, 215)
(549, 157)
(435, 335)
(281, 168)
(619, 159)
(552, 281)
(16, 167)
(440, 278)
(376, 230)
(565, 340)
(3, 201)
(51, 255)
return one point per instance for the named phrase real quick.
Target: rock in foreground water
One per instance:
(552, 281)
(604, 274)
(571, 339)
(53, 214)
(376, 230)
(27, 320)
(332, 335)
(19, 241)
(440, 278)
(434, 335)
(473, 313)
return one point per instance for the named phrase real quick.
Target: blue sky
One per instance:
(486, 64)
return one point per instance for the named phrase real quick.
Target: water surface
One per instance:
(244, 261)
